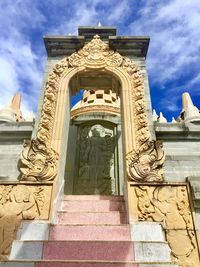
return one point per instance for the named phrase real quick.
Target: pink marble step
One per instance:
(85, 264)
(88, 250)
(74, 218)
(92, 197)
(90, 232)
(93, 205)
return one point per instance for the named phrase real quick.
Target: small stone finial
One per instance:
(155, 115)
(96, 37)
(189, 111)
(173, 120)
(99, 24)
(161, 118)
(12, 112)
(30, 117)
(16, 101)
(16, 105)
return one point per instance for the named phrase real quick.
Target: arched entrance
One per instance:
(143, 161)
(94, 150)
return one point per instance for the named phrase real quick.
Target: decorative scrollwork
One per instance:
(146, 165)
(39, 162)
(95, 54)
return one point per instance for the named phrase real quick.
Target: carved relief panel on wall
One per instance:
(17, 203)
(169, 205)
(96, 160)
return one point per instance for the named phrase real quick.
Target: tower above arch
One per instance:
(131, 46)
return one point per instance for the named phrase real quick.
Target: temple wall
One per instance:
(182, 160)
(181, 144)
(12, 136)
(168, 203)
(182, 156)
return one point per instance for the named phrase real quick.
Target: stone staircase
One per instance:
(91, 231)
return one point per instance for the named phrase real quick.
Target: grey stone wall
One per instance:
(181, 144)
(12, 136)
(182, 160)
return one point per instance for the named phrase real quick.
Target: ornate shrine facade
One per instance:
(105, 145)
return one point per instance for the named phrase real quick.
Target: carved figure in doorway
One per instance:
(96, 159)
(95, 153)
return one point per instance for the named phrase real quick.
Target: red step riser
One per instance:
(84, 264)
(93, 205)
(86, 250)
(92, 197)
(69, 232)
(76, 218)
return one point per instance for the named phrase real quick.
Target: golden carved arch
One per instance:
(144, 157)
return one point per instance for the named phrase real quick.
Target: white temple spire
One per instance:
(190, 112)
(162, 118)
(155, 115)
(173, 120)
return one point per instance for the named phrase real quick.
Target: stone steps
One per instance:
(48, 263)
(93, 205)
(91, 231)
(92, 197)
(78, 218)
(91, 250)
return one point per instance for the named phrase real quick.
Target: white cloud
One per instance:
(119, 12)
(20, 71)
(8, 79)
(174, 30)
(173, 26)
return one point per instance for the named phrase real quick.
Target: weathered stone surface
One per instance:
(17, 264)
(147, 231)
(152, 252)
(12, 136)
(33, 231)
(169, 205)
(26, 250)
(20, 202)
(158, 265)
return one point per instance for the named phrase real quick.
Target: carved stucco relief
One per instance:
(96, 160)
(144, 161)
(17, 203)
(170, 206)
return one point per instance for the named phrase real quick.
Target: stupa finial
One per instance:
(189, 111)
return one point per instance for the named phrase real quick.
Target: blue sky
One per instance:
(173, 60)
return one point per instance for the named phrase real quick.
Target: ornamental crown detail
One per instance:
(95, 54)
